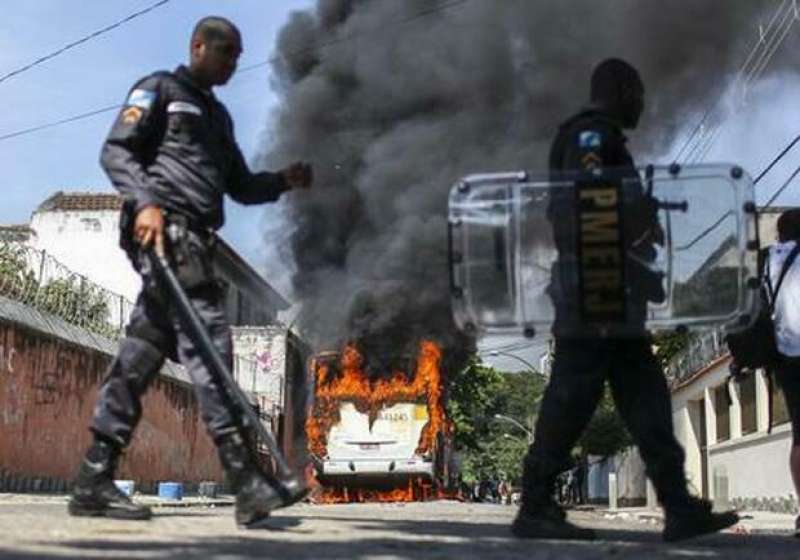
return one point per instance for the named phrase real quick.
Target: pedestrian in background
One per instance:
(786, 318)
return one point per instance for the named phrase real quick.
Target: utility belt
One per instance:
(190, 247)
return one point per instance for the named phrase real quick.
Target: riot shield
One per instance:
(613, 252)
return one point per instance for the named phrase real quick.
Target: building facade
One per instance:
(81, 231)
(737, 452)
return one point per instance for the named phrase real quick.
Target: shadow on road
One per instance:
(348, 538)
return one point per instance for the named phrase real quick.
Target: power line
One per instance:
(779, 157)
(783, 187)
(757, 180)
(705, 133)
(59, 122)
(422, 13)
(82, 40)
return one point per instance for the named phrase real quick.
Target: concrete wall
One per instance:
(260, 363)
(631, 478)
(754, 469)
(48, 388)
(748, 471)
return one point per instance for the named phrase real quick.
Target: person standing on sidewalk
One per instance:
(172, 155)
(786, 317)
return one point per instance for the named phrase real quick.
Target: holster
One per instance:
(190, 249)
(191, 252)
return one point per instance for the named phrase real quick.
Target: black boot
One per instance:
(693, 517)
(539, 516)
(256, 495)
(94, 493)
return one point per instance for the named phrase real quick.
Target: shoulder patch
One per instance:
(184, 107)
(142, 98)
(131, 115)
(590, 139)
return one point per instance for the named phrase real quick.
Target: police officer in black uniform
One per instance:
(172, 155)
(584, 358)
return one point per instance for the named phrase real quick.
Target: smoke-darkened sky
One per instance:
(394, 101)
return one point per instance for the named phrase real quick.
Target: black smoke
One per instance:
(393, 101)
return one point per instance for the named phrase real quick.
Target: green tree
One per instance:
(605, 435)
(17, 281)
(77, 302)
(489, 447)
(669, 344)
(472, 401)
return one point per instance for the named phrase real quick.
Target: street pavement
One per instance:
(35, 527)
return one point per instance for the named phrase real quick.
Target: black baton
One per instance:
(292, 488)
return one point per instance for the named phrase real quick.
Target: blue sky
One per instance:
(98, 74)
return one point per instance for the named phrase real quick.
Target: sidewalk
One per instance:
(150, 500)
(764, 522)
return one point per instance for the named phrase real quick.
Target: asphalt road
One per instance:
(440, 530)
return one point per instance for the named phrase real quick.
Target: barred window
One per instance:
(747, 401)
(722, 409)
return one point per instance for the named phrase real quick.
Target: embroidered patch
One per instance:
(131, 115)
(141, 98)
(589, 139)
(184, 107)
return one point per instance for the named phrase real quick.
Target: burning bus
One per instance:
(379, 437)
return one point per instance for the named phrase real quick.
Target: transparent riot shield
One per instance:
(614, 252)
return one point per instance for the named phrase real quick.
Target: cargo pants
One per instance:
(580, 369)
(153, 334)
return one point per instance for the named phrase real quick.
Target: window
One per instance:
(780, 414)
(747, 401)
(91, 224)
(722, 407)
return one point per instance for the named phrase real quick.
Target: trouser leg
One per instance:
(140, 356)
(643, 400)
(216, 408)
(575, 387)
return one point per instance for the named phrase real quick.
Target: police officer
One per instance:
(172, 155)
(585, 358)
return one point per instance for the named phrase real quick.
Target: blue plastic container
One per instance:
(170, 490)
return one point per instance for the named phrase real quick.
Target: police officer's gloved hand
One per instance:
(298, 175)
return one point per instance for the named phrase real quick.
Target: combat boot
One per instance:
(693, 518)
(256, 496)
(94, 493)
(539, 516)
(547, 521)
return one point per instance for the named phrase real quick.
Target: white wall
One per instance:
(756, 465)
(88, 243)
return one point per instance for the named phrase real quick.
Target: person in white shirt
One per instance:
(786, 318)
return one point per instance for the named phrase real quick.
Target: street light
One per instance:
(495, 353)
(517, 423)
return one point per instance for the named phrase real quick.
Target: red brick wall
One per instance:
(48, 389)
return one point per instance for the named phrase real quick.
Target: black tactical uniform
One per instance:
(584, 360)
(172, 146)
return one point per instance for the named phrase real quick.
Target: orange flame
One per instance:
(370, 397)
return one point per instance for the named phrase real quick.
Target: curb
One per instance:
(158, 503)
(149, 500)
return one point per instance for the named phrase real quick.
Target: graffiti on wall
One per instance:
(7, 356)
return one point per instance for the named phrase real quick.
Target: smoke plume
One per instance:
(394, 101)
